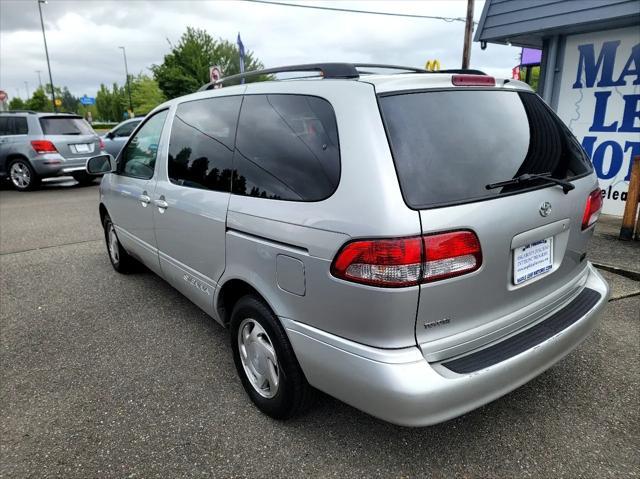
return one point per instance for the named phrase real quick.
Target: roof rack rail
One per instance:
(19, 111)
(326, 70)
(390, 67)
(331, 70)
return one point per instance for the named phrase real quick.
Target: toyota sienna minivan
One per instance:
(413, 244)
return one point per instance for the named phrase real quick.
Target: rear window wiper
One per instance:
(566, 186)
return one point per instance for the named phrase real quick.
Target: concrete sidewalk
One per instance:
(618, 261)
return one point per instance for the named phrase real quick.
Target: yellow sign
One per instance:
(58, 102)
(433, 65)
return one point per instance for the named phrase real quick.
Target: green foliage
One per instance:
(110, 103)
(186, 67)
(39, 101)
(145, 94)
(17, 103)
(69, 102)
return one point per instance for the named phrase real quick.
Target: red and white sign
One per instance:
(515, 72)
(3, 95)
(215, 73)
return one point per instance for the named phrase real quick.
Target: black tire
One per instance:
(293, 391)
(121, 262)
(22, 175)
(84, 178)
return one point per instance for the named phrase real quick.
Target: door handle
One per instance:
(144, 199)
(161, 204)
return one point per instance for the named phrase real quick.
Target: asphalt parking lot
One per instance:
(104, 375)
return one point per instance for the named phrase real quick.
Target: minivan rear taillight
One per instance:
(43, 146)
(450, 254)
(401, 262)
(592, 208)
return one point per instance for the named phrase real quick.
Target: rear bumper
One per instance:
(54, 164)
(401, 387)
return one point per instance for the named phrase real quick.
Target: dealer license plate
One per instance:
(532, 260)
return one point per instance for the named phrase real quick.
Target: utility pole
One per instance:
(468, 32)
(26, 87)
(126, 71)
(46, 51)
(39, 78)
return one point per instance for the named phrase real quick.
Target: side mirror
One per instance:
(101, 164)
(110, 135)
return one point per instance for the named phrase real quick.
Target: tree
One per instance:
(186, 67)
(145, 94)
(39, 101)
(69, 102)
(17, 103)
(111, 103)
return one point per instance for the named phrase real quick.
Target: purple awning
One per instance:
(531, 56)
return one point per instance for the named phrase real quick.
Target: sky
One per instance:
(83, 37)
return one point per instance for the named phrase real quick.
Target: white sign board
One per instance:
(600, 101)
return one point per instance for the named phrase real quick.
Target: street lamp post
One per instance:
(46, 51)
(39, 78)
(126, 71)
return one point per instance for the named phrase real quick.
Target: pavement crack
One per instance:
(624, 296)
(49, 247)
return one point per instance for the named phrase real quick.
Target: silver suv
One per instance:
(41, 145)
(413, 244)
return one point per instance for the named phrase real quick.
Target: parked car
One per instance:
(115, 139)
(41, 145)
(412, 244)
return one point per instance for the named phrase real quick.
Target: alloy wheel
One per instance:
(20, 175)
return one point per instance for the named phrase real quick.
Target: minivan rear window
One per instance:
(448, 145)
(65, 125)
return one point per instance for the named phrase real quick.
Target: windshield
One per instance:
(65, 125)
(448, 145)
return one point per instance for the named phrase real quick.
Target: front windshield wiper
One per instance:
(566, 186)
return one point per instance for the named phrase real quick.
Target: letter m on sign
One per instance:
(601, 69)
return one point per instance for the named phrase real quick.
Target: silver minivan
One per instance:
(413, 244)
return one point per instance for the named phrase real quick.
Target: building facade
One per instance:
(590, 74)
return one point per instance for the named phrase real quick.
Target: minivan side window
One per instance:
(201, 144)
(138, 158)
(286, 148)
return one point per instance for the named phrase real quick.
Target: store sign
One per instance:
(600, 101)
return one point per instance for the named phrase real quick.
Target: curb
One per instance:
(634, 275)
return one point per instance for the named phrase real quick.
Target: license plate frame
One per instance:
(532, 260)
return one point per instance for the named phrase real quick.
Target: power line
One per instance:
(349, 10)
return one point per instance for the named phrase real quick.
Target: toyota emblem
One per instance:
(545, 208)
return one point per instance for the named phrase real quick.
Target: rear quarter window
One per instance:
(448, 145)
(13, 126)
(286, 148)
